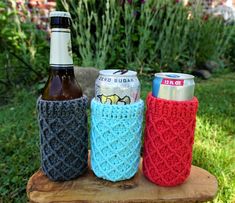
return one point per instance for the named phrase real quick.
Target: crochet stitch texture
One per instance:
(169, 138)
(116, 139)
(63, 138)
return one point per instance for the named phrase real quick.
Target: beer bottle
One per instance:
(61, 84)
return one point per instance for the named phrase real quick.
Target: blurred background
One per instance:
(145, 36)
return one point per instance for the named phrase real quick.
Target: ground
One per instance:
(214, 148)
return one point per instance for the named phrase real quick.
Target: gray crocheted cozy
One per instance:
(63, 137)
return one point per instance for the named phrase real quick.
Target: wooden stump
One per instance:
(200, 186)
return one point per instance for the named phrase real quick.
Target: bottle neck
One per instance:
(69, 70)
(60, 48)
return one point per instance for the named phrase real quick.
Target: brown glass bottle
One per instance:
(61, 84)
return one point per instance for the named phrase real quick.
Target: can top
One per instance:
(118, 73)
(174, 75)
(60, 14)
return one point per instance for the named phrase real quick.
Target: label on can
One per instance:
(172, 82)
(117, 87)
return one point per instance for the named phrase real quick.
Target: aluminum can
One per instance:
(173, 86)
(119, 87)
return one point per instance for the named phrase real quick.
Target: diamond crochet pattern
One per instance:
(63, 138)
(116, 139)
(169, 138)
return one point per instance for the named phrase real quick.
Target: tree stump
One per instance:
(200, 186)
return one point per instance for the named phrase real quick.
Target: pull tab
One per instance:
(121, 71)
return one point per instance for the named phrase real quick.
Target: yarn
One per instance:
(116, 139)
(169, 138)
(63, 138)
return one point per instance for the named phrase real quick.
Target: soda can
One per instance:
(119, 87)
(173, 86)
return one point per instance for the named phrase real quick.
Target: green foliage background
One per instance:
(24, 49)
(147, 36)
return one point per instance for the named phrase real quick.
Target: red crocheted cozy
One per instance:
(169, 138)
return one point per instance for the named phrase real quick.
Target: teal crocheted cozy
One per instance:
(116, 139)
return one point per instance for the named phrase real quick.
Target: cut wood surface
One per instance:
(200, 186)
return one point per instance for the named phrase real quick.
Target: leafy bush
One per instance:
(146, 35)
(23, 54)
(230, 52)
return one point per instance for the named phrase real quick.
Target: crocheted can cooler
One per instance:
(63, 138)
(116, 139)
(169, 138)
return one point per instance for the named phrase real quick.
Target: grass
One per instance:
(214, 148)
